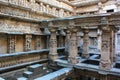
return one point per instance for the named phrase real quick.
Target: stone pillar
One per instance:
(73, 49)
(53, 55)
(105, 61)
(11, 43)
(47, 42)
(85, 53)
(28, 40)
(67, 41)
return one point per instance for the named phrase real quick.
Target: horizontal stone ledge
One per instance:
(57, 75)
(28, 52)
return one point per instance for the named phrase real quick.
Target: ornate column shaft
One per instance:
(73, 49)
(53, 55)
(28, 40)
(105, 61)
(11, 43)
(85, 53)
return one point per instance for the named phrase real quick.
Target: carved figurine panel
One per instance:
(28, 40)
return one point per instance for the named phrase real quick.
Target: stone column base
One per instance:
(85, 56)
(73, 60)
(53, 57)
(105, 65)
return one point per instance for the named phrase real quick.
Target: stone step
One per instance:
(22, 78)
(28, 74)
(35, 68)
(1, 78)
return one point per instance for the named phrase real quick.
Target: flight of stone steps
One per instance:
(32, 72)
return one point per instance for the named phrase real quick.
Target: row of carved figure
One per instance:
(34, 7)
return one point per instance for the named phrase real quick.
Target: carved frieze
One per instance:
(18, 27)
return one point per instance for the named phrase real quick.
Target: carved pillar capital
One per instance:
(85, 31)
(52, 30)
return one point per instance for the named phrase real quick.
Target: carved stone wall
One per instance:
(3, 44)
(20, 43)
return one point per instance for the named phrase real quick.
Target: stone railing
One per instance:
(33, 9)
(24, 58)
(85, 2)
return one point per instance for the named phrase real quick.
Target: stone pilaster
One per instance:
(38, 43)
(53, 55)
(11, 43)
(73, 48)
(85, 53)
(105, 61)
(99, 39)
(28, 40)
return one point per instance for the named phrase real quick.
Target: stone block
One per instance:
(28, 74)
(37, 68)
(1, 78)
(22, 78)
